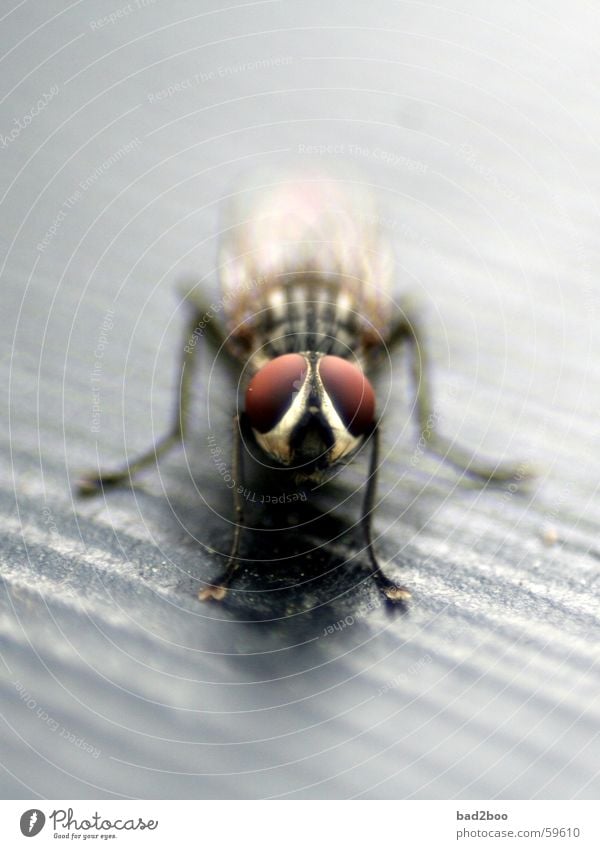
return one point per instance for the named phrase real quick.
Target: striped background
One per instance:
(477, 126)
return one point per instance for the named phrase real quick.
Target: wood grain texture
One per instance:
(477, 128)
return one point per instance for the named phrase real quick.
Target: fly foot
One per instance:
(392, 592)
(396, 594)
(212, 593)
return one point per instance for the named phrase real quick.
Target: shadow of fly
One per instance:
(306, 278)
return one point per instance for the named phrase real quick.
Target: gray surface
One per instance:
(488, 686)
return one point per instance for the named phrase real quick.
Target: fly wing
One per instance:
(313, 230)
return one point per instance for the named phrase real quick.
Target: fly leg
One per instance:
(407, 330)
(390, 590)
(98, 480)
(218, 590)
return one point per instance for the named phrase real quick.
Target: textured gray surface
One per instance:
(477, 125)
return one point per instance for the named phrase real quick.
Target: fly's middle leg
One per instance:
(98, 480)
(407, 331)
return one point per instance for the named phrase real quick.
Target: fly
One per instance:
(306, 280)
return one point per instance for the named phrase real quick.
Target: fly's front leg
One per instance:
(218, 590)
(407, 330)
(98, 480)
(390, 590)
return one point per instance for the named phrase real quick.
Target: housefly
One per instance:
(306, 278)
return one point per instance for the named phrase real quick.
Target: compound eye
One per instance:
(350, 391)
(272, 389)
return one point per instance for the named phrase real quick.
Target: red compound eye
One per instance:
(350, 391)
(271, 390)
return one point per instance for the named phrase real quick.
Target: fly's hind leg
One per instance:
(99, 480)
(407, 330)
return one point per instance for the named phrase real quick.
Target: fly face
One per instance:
(309, 411)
